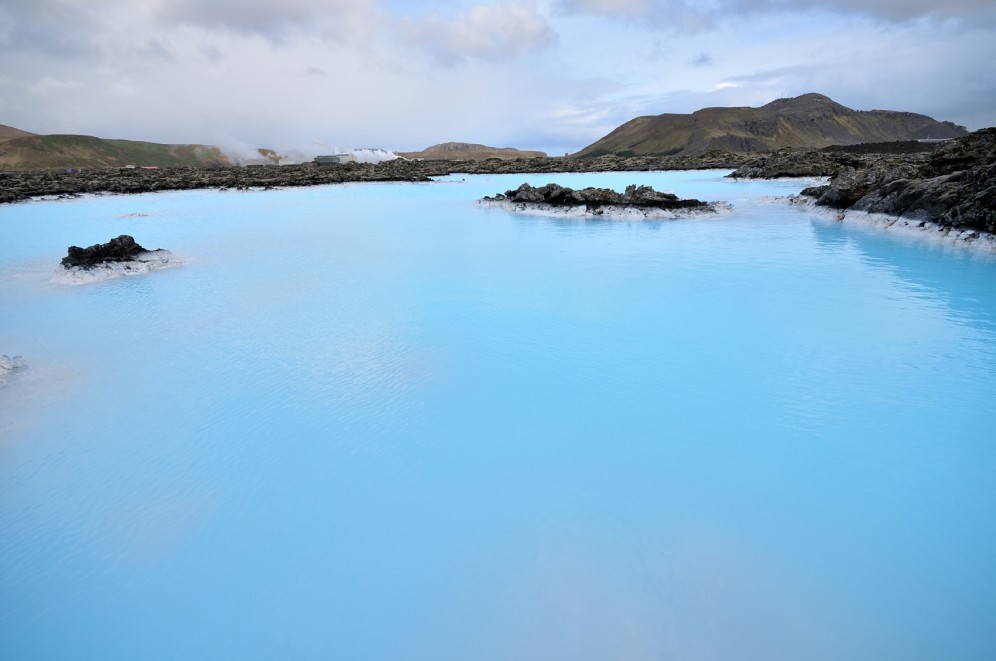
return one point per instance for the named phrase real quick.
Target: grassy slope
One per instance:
(9, 133)
(41, 152)
(469, 152)
(811, 121)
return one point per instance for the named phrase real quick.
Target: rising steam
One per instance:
(241, 153)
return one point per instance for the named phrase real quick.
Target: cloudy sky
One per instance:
(535, 74)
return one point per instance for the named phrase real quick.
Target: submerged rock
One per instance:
(9, 363)
(597, 201)
(118, 257)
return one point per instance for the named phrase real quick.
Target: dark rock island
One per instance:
(121, 249)
(643, 200)
(119, 256)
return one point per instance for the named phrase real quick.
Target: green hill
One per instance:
(809, 121)
(42, 152)
(464, 151)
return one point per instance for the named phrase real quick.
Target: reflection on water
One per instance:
(962, 280)
(377, 421)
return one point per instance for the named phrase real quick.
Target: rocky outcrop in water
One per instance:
(955, 187)
(121, 249)
(597, 201)
(952, 184)
(118, 257)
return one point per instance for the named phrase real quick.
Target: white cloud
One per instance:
(621, 7)
(51, 85)
(666, 15)
(498, 31)
(342, 21)
(123, 88)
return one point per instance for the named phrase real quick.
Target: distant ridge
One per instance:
(9, 133)
(27, 151)
(810, 121)
(465, 151)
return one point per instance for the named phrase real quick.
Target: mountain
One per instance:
(42, 152)
(808, 121)
(463, 151)
(9, 133)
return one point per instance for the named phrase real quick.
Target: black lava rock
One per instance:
(643, 197)
(121, 249)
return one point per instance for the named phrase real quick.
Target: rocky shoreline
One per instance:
(15, 187)
(952, 187)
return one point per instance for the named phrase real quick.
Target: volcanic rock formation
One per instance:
(597, 201)
(119, 256)
(955, 187)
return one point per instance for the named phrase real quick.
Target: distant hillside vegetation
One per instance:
(9, 133)
(42, 152)
(811, 121)
(463, 151)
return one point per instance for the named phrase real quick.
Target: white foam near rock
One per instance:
(609, 211)
(143, 262)
(914, 229)
(9, 363)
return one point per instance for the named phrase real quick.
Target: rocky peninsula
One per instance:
(952, 186)
(642, 201)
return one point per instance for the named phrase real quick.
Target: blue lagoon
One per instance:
(376, 421)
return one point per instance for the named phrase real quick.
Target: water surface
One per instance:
(375, 421)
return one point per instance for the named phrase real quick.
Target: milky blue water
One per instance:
(376, 421)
